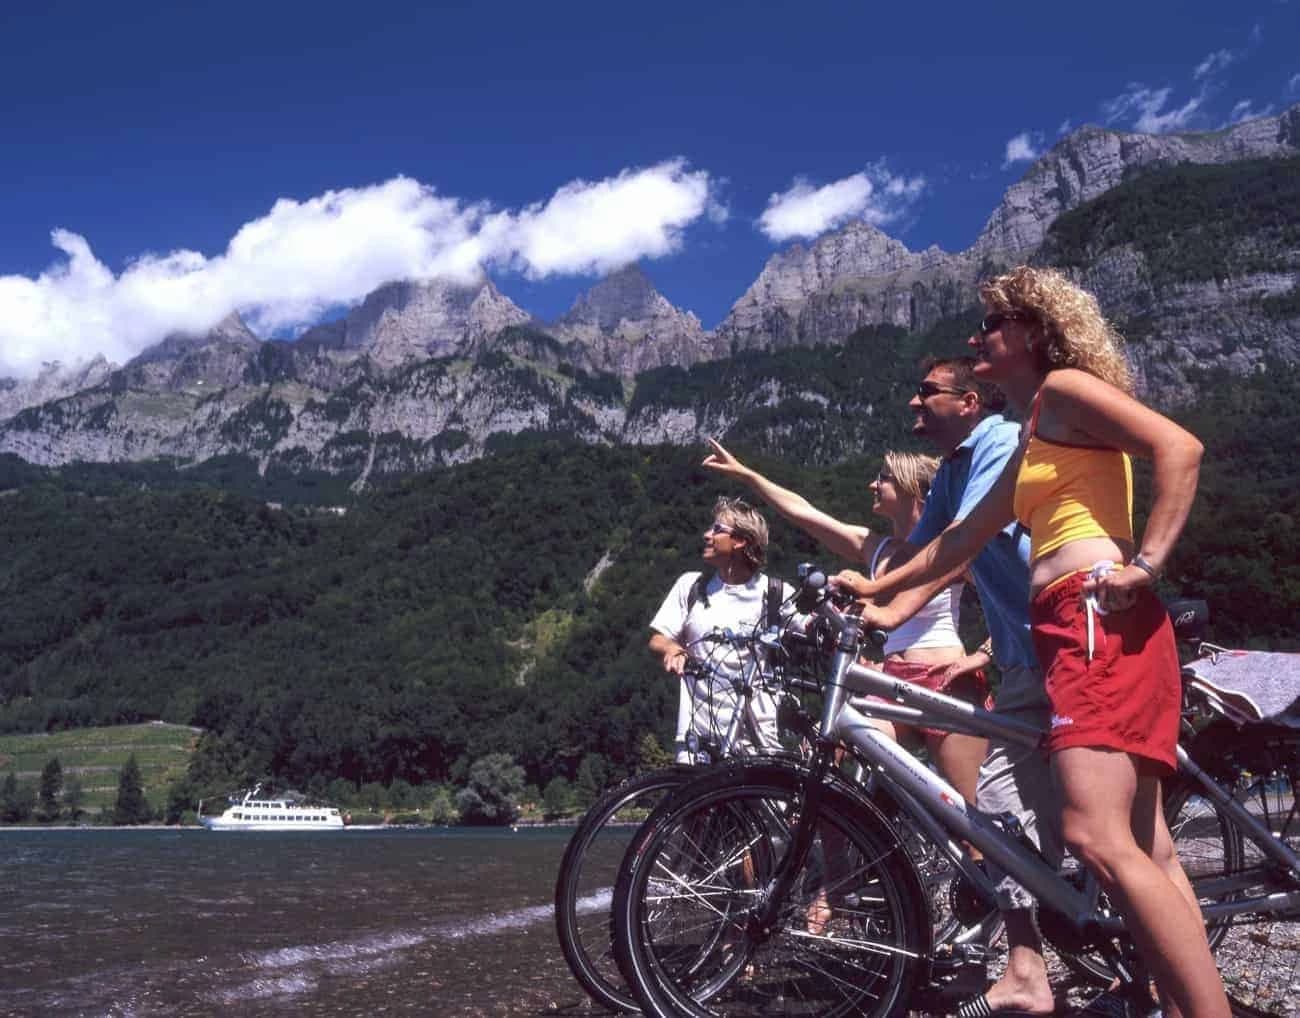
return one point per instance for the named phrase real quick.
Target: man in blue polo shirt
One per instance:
(960, 416)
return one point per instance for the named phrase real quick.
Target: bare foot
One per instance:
(819, 915)
(1023, 986)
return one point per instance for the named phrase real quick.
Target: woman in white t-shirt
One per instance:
(732, 597)
(926, 650)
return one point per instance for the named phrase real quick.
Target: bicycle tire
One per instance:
(1258, 958)
(585, 885)
(868, 959)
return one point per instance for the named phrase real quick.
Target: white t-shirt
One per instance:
(707, 708)
(934, 625)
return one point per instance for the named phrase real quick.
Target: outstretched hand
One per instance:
(722, 461)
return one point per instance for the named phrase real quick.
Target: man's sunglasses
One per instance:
(927, 389)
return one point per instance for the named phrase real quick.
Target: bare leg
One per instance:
(1153, 837)
(1102, 794)
(959, 758)
(835, 848)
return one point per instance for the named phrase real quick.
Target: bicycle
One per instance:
(678, 893)
(584, 886)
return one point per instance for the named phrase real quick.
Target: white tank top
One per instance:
(935, 625)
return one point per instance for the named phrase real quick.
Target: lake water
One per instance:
(192, 922)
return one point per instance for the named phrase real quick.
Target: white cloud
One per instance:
(1145, 110)
(805, 210)
(1024, 147)
(1215, 62)
(283, 270)
(1293, 85)
(1065, 128)
(1245, 111)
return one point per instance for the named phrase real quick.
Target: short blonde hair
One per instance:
(747, 523)
(912, 472)
(1075, 332)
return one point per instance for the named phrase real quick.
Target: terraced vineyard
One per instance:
(95, 757)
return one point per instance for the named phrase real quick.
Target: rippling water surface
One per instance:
(153, 922)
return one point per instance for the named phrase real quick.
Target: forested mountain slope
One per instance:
(461, 611)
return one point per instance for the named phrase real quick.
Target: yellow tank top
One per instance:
(1067, 492)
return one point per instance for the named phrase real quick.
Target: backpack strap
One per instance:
(772, 604)
(699, 592)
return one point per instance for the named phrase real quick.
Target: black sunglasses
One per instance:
(993, 322)
(927, 389)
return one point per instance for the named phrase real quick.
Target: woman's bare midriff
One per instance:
(1077, 556)
(928, 655)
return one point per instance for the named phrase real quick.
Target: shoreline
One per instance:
(521, 825)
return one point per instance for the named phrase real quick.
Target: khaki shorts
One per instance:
(1017, 780)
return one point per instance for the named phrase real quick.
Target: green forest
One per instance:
(460, 614)
(1193, 223)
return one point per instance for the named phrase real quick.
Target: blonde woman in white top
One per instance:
(927, 649)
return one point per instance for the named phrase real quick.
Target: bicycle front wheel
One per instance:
(585, 886)
(851, 938)
(1258, 956)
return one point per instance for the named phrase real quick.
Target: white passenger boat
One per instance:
(256, 813)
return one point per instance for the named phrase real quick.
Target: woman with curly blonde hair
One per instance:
(1102, 635)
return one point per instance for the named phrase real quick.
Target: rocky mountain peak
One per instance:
(415, 320)
(624, 325)
(852, 277)
(1092, 160)
(231, 331)
(624, 294)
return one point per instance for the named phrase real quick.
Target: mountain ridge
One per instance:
(422, 374)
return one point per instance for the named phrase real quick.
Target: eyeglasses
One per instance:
(720, 528)
(995, 321)
(885, 477)
(927, 389)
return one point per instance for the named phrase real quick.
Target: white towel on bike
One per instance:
(1270, 681)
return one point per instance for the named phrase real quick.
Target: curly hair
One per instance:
(912, 472)
(748, 524)
(1075, 334)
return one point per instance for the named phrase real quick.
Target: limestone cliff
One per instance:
(623, 325)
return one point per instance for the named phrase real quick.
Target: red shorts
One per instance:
(1128, 697)
(973, 688)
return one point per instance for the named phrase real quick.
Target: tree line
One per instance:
(56, 799)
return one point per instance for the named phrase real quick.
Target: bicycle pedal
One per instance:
(954, 977)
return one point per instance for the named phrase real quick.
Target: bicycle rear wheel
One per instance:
(703, 864)
(585, 886)
(1258, 957)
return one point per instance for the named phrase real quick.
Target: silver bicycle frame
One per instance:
(911, 704)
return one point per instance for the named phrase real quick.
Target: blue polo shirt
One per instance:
(1001, 570)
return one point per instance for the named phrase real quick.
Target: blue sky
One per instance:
(528, 131)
